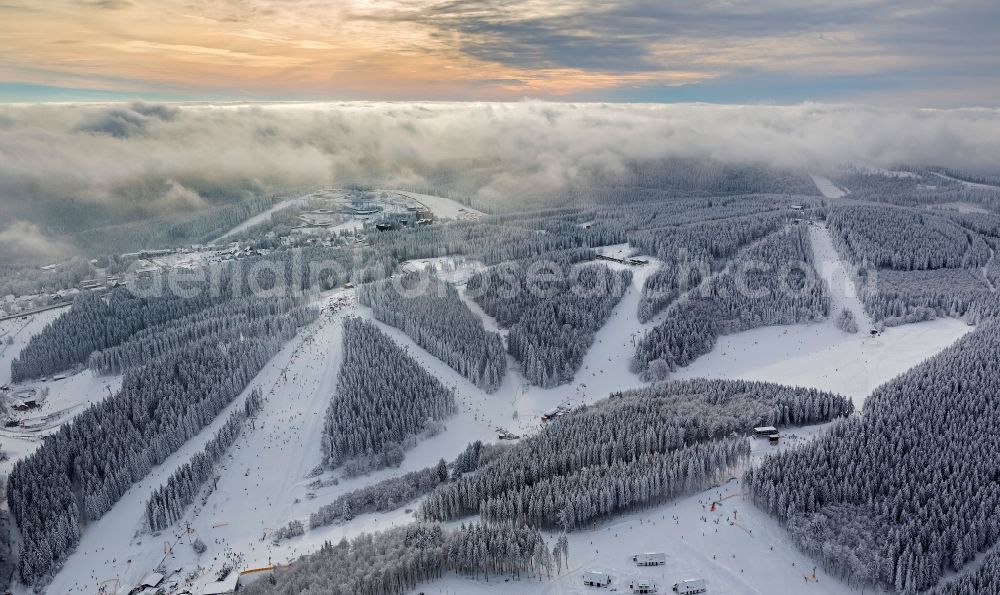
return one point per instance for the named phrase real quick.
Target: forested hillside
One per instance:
(771, 282)
(107, 448)
(80, 471)
(902, 494)
(93, 324)
(394, 492)
(431, 312)
(692, 252)
(584, 466)
(168, 503)
(903, 239)
(384, 399)
(553, 307)
(914, 264)
(394, 561)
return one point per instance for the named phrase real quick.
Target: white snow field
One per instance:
(264, 480)
(736, 548)
(442, 207)
(959, 206)
(261, 217)
(964, 182)
(828, 188)
(21, 331)
(820, 355)
(453, 269)
(60, 400)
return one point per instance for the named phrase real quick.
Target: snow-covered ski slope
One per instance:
(445, 208)
(820, 355)
(828, 188)
(263, 480)
(736, 549)
(261, 217)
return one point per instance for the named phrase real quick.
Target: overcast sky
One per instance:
(941, 53)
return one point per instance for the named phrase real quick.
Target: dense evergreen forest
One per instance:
(94, 323)
(79, 472)
(431, 312)
(397, 560)
(553, 306)
(904, 239)
(770, 282)
(584, 466)
(384, 400)
(902, 494)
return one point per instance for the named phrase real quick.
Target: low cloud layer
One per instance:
(24, 242)
(131, 161)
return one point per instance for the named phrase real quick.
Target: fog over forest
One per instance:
(69, 167)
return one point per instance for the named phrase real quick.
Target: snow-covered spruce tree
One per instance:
(771, 282)
(384, 398)
(585, 466)
(432, 313)
(903, 494)
(846, 322)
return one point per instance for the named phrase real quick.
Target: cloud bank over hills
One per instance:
(66, 167)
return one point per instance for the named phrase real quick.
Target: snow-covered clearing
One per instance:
(737, 549)
(64, 399)
(261, 217)
(959, 206)
(964, 182)
(828, 188)
(820, 355)
(21, 331)
(453, 269)
(442, 207)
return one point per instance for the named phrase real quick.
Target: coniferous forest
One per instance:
(553, 306)
(384, 400)
(900, 495)
(431, 312)
(584, 466)
(771, 282)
